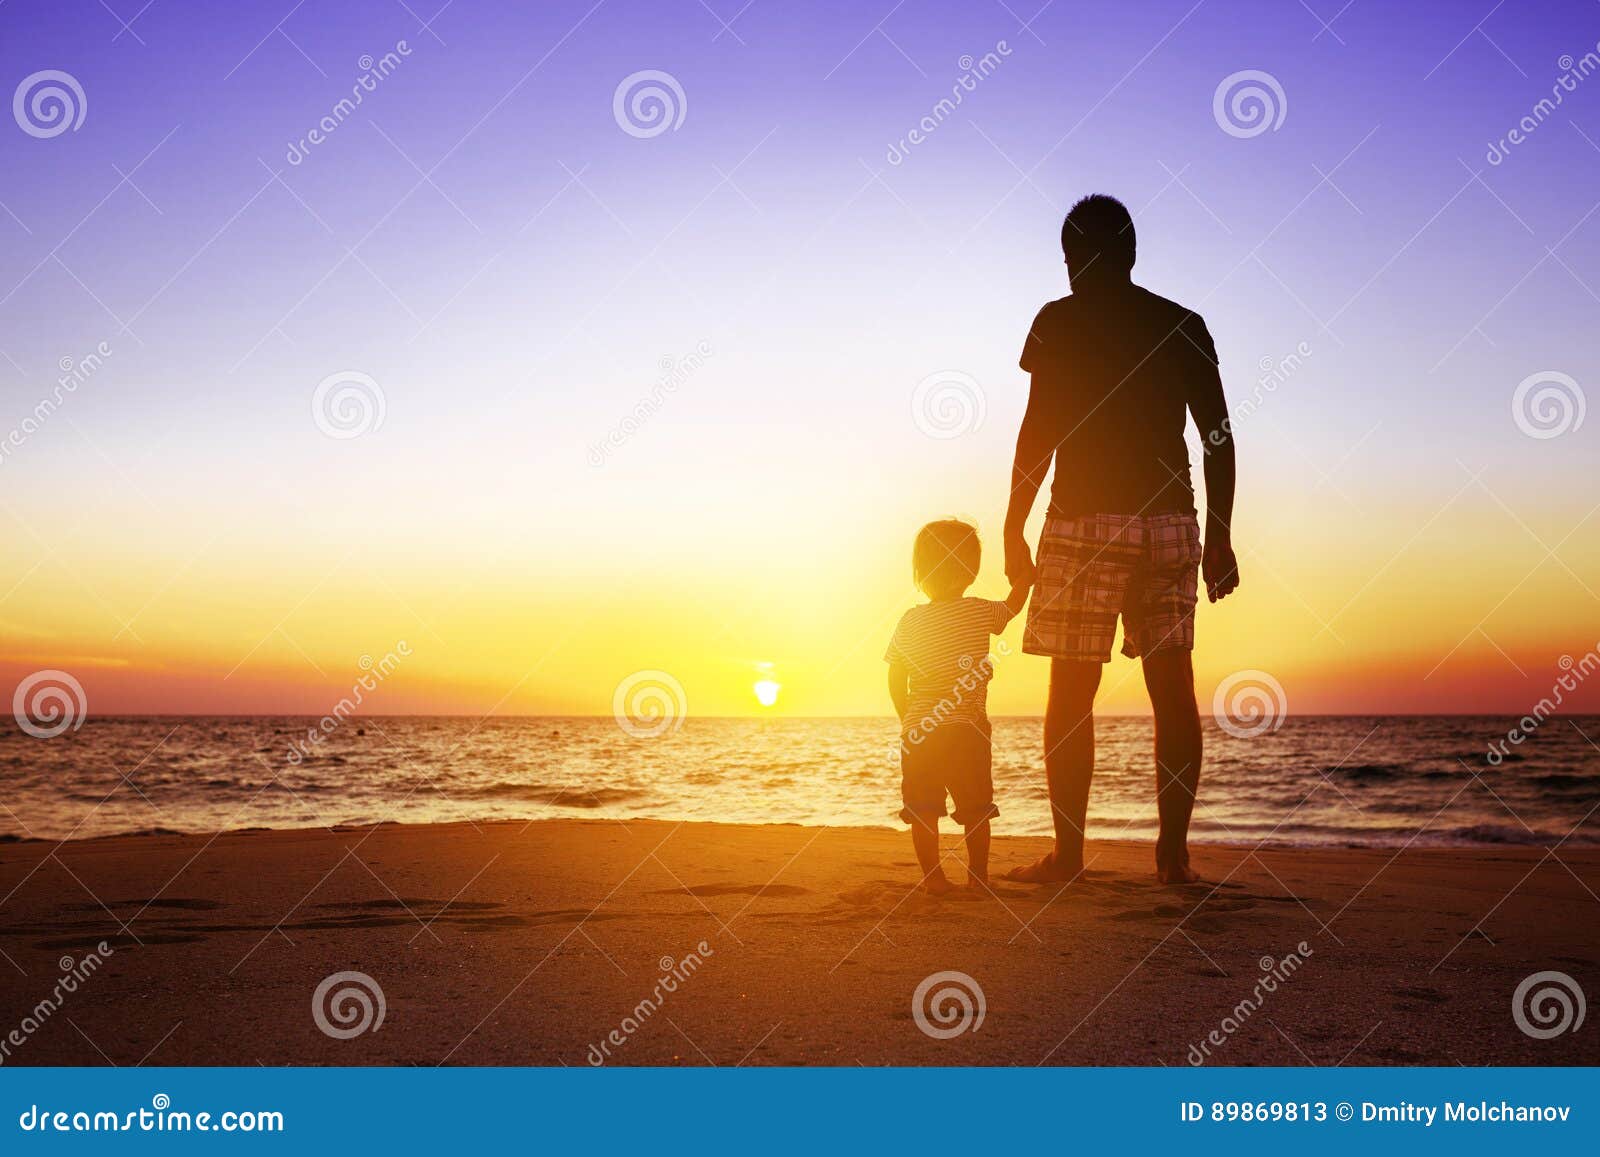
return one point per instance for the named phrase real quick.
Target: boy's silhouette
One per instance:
(1114, 368)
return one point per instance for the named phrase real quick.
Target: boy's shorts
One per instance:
(1096, 567)
(954, 758)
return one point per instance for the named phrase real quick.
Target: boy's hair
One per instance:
(946, 557)
(1099, 226)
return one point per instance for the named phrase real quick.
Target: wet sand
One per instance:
(571, 942)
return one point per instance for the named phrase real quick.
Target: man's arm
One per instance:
(1210, 409)
(1035, 450)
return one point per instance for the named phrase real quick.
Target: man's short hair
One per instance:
(1098, 228)
(946, 557)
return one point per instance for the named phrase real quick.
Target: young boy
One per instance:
(939, 671)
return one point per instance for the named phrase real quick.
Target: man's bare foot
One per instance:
(1045, 870)
(978, 887)
(938, 884)
(1178, 873)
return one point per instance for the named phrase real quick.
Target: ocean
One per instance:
(1377, 781)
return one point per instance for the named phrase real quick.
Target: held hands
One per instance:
(1219, 567)
(1019, 562)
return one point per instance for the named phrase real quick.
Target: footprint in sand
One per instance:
(736, 890)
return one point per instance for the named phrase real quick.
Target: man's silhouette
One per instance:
(1114, 368)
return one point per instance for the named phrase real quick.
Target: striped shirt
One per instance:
(944, 647)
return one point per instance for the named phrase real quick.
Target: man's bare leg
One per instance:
(1069, 767)
(1169, 677)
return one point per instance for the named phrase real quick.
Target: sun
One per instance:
(767, 691)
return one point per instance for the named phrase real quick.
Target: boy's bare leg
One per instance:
(1169, 677)
(1069, 767)
(978, 856)
(925, 838)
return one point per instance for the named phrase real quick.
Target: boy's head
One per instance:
(945, 559)
(1098, 240)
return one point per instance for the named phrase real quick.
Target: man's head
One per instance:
(946, 557)
(1097, 238)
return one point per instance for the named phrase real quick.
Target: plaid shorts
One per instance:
(1097, 566)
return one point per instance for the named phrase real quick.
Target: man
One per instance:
(1114, 368)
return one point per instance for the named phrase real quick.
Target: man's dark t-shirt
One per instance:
(1114, 372)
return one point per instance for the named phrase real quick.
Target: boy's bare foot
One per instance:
(979, 889)
(938, 884)
(1045, 870)
(1177, 873)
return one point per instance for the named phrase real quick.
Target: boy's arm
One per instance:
(1035, 450)
(897, 687)
(1017, 599)
(1209, 406)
